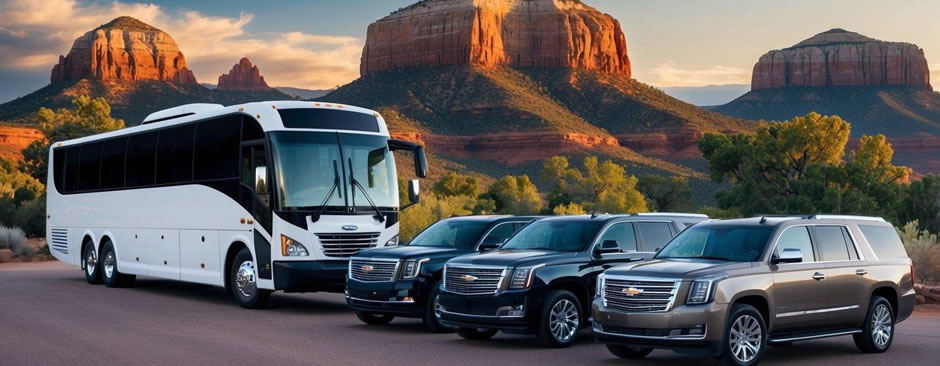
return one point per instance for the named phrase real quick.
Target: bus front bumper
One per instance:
(310, 276)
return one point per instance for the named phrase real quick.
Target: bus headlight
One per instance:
(392, 242)
(291, 248)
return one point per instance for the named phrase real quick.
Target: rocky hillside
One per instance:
(243, 77)
(518, 33)
(124, 49)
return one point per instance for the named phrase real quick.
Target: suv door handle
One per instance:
(861, 272)
(818, 276)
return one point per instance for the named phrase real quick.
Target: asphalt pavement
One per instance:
(50, 316)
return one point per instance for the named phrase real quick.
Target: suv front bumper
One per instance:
(511, 311)
(407, 298)
(693, 329)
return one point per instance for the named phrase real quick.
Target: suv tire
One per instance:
(878, 332)
(629, 352)
(374, 318)
(245, 287)
(110, 273)
(745, 337)
(432, 316)
(561, 319)
(476, 334)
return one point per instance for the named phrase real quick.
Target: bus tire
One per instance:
(244, 282)
(110, 274)
(91, 265)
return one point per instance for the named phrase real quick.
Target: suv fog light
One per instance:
(598, 327)
(516, 311)
(698, 330)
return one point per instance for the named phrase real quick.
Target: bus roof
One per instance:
(266, 113)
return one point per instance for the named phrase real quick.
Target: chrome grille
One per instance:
(59, 240)
(372, 270)
(345, 245)
(649, 295)
(473, 280)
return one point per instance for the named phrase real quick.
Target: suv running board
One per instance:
(795, 337)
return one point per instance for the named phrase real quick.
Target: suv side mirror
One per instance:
(789, 255)
(490, 243)
(607, 247)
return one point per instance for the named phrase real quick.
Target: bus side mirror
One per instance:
(421, 163)
(414, 191)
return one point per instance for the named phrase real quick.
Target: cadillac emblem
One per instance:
(469, 278)
(367, 268)
(632, 291)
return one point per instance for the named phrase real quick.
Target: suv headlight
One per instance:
(412, 267)
(291, 248)
(393, 242)
(702, 290)
(522, 276)
(601, 283)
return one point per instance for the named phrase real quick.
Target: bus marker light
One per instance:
(242, 220)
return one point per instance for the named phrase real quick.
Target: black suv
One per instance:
(542, 279)
(403, 281)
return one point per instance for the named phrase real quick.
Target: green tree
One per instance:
(14, 183)
(601, 187)
(430, 210)
(454, 184)
(515, 195)
(569, 209)
(921, 203)
(797, 167)
(666, 194)
(86, 117)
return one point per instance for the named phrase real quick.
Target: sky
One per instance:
(317, 43)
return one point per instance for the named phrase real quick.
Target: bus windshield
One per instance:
(309, 165)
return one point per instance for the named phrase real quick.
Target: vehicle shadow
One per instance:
(810, 352)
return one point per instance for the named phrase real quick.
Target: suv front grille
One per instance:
(473, 281)
(345, 245)
(639, 296)
(372, 270)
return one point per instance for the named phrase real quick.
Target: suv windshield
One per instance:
(309, 164)
(558, 235)
(457, 234)
(736, 243)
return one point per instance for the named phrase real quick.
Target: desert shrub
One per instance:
(569, 209)
(31, 217)
(924, 250)
(15, 240)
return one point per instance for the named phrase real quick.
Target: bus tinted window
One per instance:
(251, 129)
(175, 154)
(141, 150)
(71, 168)
(112, 163)
(89, 167)
(216, 154)
(328, 119)
(58, 167)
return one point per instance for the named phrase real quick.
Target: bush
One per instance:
(31, 216)
(924, 251)
(15, 240)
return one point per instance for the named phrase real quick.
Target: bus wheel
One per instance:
(110, 274)
(91, 265)
(244, 284)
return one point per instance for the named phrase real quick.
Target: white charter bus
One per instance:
(253, 198)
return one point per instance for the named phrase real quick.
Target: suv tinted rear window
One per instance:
(655, 235)
(831, 243)
(884, 241)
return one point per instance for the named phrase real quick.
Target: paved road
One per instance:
(50, 316)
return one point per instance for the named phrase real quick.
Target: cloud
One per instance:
(935, 75)
(667, 75)
(34, 33)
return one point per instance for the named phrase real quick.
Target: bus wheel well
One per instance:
(229, 258)
(85, 242)
(104, 239)
(579, 291)
(758, 303)
(889, 294)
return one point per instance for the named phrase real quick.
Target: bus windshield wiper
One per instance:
(329, 195)
(355, 183)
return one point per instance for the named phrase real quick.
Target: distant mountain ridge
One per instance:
(709, 95)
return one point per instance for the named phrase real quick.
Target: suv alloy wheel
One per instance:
(878, 333)
(745, 336)
(561, 319)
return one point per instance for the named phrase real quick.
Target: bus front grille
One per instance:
(345, 245)
(60, 240)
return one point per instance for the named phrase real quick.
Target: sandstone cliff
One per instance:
(243, 77)
(124, 49)
(842, 58)
(519, 33)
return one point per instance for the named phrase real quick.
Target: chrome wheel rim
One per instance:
(91, 262)
(746, 338)
(881, 325)
(108, 264)
(437, 306)
(245, 279)
(564, 321)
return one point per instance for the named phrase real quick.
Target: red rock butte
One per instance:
(243, 77)
(124, 49)
(841, 58)
(516, 33)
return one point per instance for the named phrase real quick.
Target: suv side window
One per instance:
(884, 241)
(830, 240)
(655, 235)
(796, 237)
(501, 231)
(624, 234)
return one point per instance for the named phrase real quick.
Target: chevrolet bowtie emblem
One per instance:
(367, 268)
(469, 278)
(632, 291)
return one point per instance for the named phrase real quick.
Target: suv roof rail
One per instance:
(669, 214)
(847, 217)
